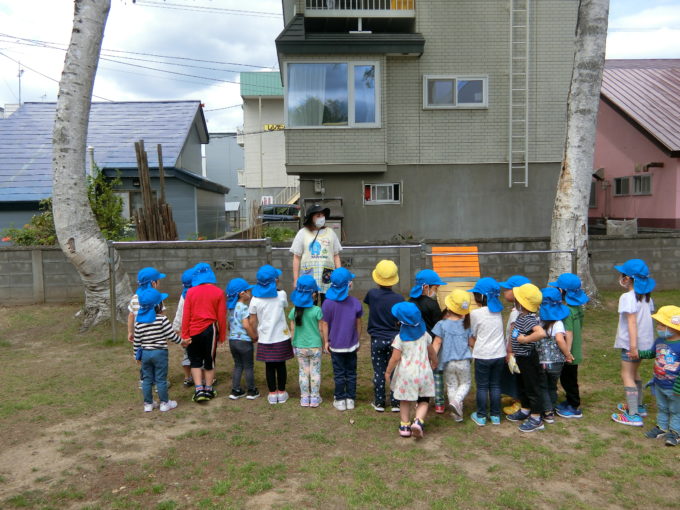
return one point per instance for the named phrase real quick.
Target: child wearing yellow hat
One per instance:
(382, 327)
(451, 343)
(526, 333)
(666, 353)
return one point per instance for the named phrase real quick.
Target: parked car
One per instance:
(279, 212)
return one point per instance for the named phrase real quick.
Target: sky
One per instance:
(203, 45)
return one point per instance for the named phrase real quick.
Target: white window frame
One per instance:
(627, 178)
(351, 124)
(382, 202)
(641, 178)
(456, 106)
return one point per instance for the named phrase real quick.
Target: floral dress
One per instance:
(413, 376)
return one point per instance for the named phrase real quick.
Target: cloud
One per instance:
(663, 43)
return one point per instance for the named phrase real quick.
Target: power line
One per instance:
(201, 8)
(169, 72)
(224, 108)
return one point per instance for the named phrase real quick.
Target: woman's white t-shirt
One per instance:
(628, 303)
(271, 319)
(487, 328)
(316, 252)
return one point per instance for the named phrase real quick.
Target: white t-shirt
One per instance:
(643, 316)
(316, 254)
(487, 328)
(514, 313)
(271, 319)
(177, 322)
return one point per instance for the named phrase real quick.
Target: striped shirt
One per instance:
(523, 325)
(154, 335)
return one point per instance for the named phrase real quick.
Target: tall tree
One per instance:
(77, 231)
(570, 214)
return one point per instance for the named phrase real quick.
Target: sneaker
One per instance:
(518, 416)
(439, 409)
(149, 407)
(642, 410)
(671, 438)
(417, 428)
(627, 419)
(282, 397)
(655, 433)
(210, 394)
(349, 404)
(378, 406)
(315, 401)
(561, 405)
(405, 430)
(495, 420)
(455, 412)
(167, 406)
(568, 412)
(340, 405)
(200, 396)
(272, 398)
(512, 408)
(549, 417)
(304, 401)
(236, 394)
(188, 382)
(457, 407)
(395, 409)
(253, 394)
(479, 420)
(531, 424)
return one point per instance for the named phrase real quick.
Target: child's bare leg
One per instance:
(187, 371)
(197, 375)
(421, 410)
(405, 411)
(209, 377)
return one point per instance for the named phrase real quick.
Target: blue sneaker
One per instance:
(562, 405)
(569, 412)
(495, 420)
(642, 410)
(632, 420)
(479, 420)
(532, 424)
(518, 416)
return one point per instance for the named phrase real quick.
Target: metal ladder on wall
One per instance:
(518, 132)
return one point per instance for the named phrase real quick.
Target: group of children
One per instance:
(417, 350)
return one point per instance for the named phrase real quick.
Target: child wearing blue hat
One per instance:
(635, 332)
(268, 318)
(187, 276)
(341, 328)
(150, 339)
(412, 360)
(424, 295)
(569, 285)
(552, 350)
(305, 325)
(240, 338)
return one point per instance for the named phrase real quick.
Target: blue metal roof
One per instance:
(26, 141)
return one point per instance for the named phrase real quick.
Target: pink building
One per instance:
(637, 149)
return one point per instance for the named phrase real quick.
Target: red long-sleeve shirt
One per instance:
(203, 306)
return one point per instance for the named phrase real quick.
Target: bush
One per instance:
(278, 234)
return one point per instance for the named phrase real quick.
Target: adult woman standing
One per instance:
(316, 249)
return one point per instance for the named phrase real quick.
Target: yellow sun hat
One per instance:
(529, 296)
(668, 316)
(386, 273)
(458, 301)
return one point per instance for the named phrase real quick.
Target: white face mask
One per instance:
(320, 222)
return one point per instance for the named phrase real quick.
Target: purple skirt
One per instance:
(279, 351)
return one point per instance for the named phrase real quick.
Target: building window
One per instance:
(383, 193)
(446, 91)
(621, 186)
(332, 94)
(642, 185)
(592, 203)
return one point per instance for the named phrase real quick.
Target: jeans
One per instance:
(488, 373)
(155, 371)
(309, 371)
(530, 384)
(668, 409)
(381, 351)
(344, 374)
(243, 353)
(551, 374)
(569, 381)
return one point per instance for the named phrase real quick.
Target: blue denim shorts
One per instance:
(624, 357)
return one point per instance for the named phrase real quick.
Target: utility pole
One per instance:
(21, 71)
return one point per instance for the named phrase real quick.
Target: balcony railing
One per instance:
(360, 8)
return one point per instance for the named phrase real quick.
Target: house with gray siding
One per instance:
(180, 128)
(439, 119)
(223, 163)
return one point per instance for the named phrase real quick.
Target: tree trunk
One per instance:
(570, 214)
(79, 236)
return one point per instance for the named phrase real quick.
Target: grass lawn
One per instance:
(74, 436)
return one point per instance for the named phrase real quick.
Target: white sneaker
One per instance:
(282, 397)
(273, 398)
(166, 406)
(340, 405)
(148, 408)
(349, 404)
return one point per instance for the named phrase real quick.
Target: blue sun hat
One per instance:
(234, 289)
(147, 275)
(571, 285)
(412, 325)
(148, 299)
(425, 277)
(492, 290)
(552, 308)
(203, 273)
(266, 282)
(339, 288)
(639, 272)
(516, 280)
(303, 295)
(187, 277)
